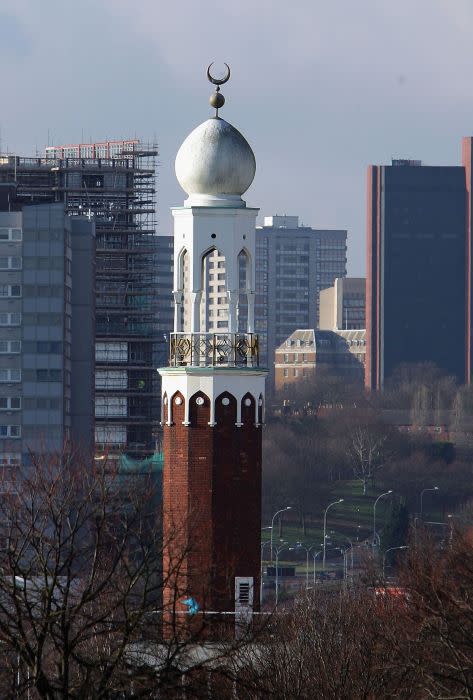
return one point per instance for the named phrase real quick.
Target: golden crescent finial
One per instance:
(218, 81)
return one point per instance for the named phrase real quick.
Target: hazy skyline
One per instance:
(319, 89)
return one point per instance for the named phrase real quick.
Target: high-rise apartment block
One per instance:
(293, 264)
(114, 184)
(342, 307)
(46, 332)
(418, 268)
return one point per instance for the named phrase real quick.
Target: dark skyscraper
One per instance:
(416, 293)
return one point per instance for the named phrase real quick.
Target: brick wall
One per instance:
(211, 501)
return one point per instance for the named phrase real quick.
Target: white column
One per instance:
(178, 299)
(232, 296)
(195, 298)
(251, 312)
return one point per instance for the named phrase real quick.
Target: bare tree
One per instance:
(336, 646)
(439, 586)
(366, 447)
(81, 584)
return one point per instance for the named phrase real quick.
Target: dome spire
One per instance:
(217, 100)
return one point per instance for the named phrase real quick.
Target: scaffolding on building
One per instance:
(117, 188)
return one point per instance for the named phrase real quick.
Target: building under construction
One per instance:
(115, 184)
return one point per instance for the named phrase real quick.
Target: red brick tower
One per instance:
(213, 390)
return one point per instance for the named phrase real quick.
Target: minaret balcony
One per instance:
(214, 350)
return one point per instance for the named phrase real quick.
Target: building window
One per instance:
(12, 403)
(111, 406)
(110, 435)
(11, 431)
(286, 372)
(295, 372)
(48, 375)
(10, 234)
(10, 290)
(10, 263)
(111, 379)
(10, 319)
(10, 375)
(10, 346)
(10, 459)
(111, 352)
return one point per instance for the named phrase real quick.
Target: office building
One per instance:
(46, 332)
(306, 352)
(417, 269)
(342, 307)
(112, 182)
(293, 264)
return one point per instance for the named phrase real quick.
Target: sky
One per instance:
(320, 89)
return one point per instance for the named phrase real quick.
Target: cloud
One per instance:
(319, 88)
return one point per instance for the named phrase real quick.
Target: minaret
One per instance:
(213, 388)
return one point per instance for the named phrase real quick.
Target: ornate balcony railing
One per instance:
(214, 350)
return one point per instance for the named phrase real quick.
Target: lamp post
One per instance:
(386, 493)
(315, 557)
(272, 526)
(263, 545)
(404, 546)
(340, 500)
(351, 551)
(278, 551)
(435, 488)
(307, 551)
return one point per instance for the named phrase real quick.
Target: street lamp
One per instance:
(263, 545)
(307, 551)
(278, 551)
(340, 500)
(435, 488)
(404, 546)
(272, 526)
(386, 493)
(315, 557)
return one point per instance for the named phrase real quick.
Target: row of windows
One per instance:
(12, 403)
(110, 434)
(111, 352)
(46, 319)
(10, 319)
(297, 357)
(45, 263)
(43, 347)
(47, 290)
(10, 459)
(11, 234)
(12, 262)
(111, 406)
(10, 375)
(37, 375)
(43, 403)
(111, 379)
(10, 346)
(10, 290)
(296, 372)
(12, 431)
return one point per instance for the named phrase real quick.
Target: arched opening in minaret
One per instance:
(183, 289)
(214, 302)
(244, 285)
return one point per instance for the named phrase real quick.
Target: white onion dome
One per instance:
(215, 165)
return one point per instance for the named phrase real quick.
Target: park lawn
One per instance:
(350, 520)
